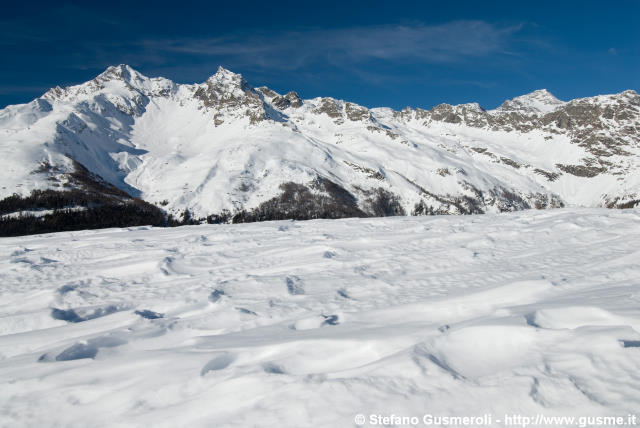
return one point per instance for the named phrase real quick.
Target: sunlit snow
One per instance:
(311, 323)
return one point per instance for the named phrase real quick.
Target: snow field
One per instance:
(310, 323)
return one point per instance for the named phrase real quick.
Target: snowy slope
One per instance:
(224, 145)
(310, 323)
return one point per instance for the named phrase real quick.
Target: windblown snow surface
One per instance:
(295, 324)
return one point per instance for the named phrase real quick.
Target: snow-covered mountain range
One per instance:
(224, 148)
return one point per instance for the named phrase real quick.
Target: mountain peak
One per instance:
(228, 80)
(132, 79)
(225, 71)
(225, 74)
(540, 92)
(121, 72)
(542, 95)
(540, 101)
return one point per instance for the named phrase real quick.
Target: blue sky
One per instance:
(388, 53)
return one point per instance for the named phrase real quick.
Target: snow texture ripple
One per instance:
(310, 323)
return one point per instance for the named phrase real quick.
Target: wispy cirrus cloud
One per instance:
(267, 50)
(446, 43)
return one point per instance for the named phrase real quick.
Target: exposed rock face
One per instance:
(357, 113)
(291, 99)
(268, 93)
(331, 108)
(604, 126)
(230, 95)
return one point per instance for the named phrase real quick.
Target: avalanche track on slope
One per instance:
(310, 323)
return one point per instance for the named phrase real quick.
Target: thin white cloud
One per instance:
(446, 43)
